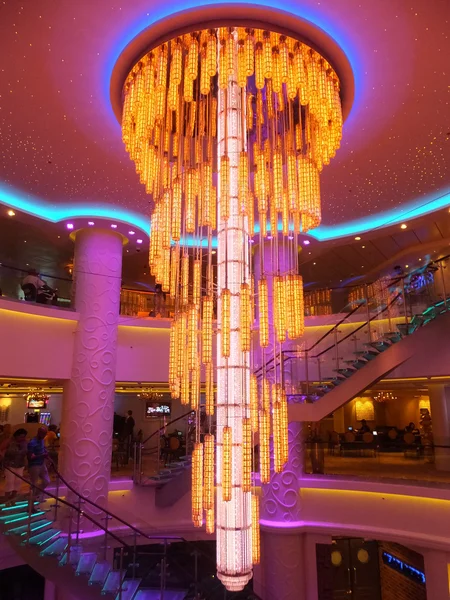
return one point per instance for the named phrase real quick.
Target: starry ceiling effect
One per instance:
(61, 144)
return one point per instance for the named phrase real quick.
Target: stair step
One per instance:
(23, 529)
(86, 563)
(100, 572)
(56, 548)
(405, 328)
(18, 506)
(129, 588)
(112, 583)
(75, 553)
(20, 517)
(45, 536)
(347, 371)
(379, 345)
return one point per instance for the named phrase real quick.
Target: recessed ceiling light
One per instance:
(306, 242)
(362, 246)
(213, 251)
(113, 226)
(420, 260)
(357, 238)
(403, 226)
(69, 225)
(138, 241)
(131, 232)
(406, 266)
(90, 223)
(11, 213)
(314, 263)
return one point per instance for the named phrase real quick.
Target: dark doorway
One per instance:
(21, 583)
(348, 569)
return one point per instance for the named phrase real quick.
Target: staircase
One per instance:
(70, 560)
(427, 332)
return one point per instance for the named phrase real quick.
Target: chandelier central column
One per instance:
(234, 509)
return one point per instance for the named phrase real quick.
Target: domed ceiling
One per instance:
(62, 153)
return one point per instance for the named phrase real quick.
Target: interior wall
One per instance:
(396, 413)
(125, 402)
(394, 585)
(18, 407)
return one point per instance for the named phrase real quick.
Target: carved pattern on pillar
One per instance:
(280, 497)
(282, 566)
(89, 395)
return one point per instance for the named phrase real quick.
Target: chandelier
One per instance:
(229, 129)
(384, 397)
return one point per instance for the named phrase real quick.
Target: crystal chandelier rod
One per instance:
(234, 516)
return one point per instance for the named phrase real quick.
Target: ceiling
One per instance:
(62, 154)
(25, 244)
(337, 264)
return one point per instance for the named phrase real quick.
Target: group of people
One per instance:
(15, 453)
(410, 428)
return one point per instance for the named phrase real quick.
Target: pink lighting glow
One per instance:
(69, 225)
(138, 241)
(113, 226)
(90, 223)
(306, 242)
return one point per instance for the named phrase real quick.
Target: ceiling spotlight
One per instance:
(11, 213)
(357, 238)
(406, 266)
(213, 251)
(131, 232)
(90, 223)
(420, 260)
(306, 242)
(113, 226)
(69, 225)
(362, 246)
(138, 241)
(403, 226)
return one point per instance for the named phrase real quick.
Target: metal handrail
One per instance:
(392, 280)
(110, 514)
(70, 505)
(360, 327)
(326, 334)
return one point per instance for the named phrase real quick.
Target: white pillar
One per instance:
(282, 565)
(437, 574)
(280, 499)
(440, 414)
(88, 400)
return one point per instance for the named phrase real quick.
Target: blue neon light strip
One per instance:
(55, 214)
(401, 567)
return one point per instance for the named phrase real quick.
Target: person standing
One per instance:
(14, 452)
(37, 455)
(128, 432)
